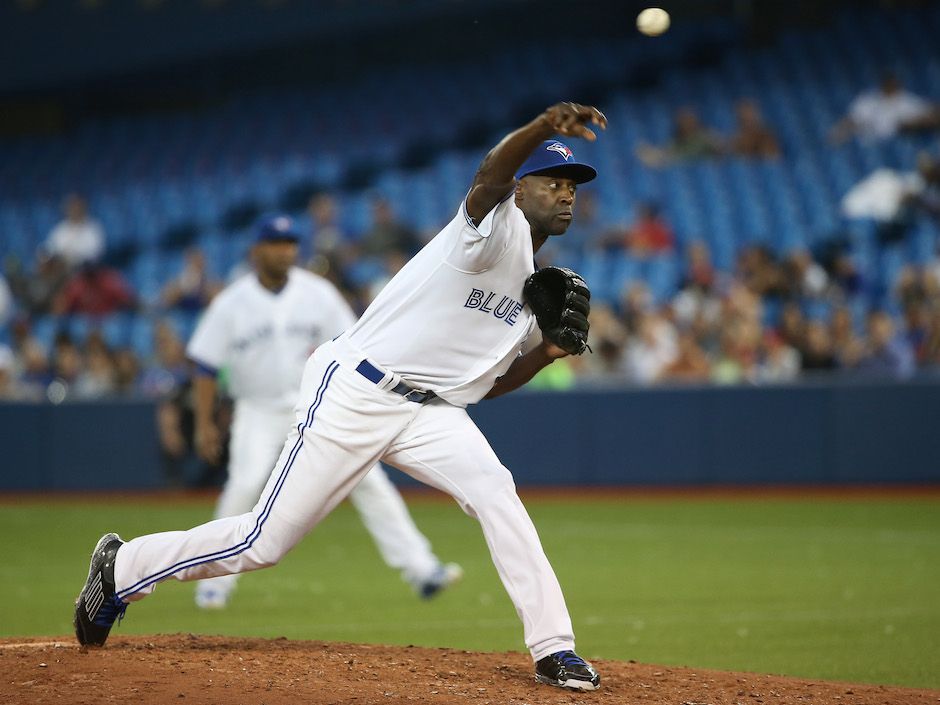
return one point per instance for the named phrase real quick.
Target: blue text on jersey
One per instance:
(506, 310)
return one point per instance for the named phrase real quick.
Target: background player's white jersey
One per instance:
(265, 338)
(452, 320)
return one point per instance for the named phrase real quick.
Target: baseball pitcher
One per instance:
(447, 331)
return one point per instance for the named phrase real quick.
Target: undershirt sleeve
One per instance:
(210, 342)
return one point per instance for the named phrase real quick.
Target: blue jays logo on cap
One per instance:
(556, 158)
(277, 228)
(562, 149)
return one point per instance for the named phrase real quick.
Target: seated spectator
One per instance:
(759, 271)
(36, 290)
(697, 304)
(880, 196)
(331, 252)
(67, 364)
(95, 290)
(817, 352)
(917, 329)
(779, 362)
(77, 239)
(912, 285)
(792, 325)
(893, 199)
(700, 272)
(9, 385)
(931, 348)
(932, 278)
(126, 372)
(192, 289)
(691, 364)
(737, 361)
(740, 303)
(96, 380)
(806, 278)
(846, 280)
(608, 337)
(327, 237)
(388, 233)
(886, 354)
(36, 375)
(847, 346)
(637, 301)
(753, 137)
(169, 371)
(690, 140)
(649, 234)
(882, 112)
(651, 350)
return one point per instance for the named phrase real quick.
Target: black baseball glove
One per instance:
(561, 302)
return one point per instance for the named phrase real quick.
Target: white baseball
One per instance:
(653, 21)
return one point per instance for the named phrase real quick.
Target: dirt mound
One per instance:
(190, 670)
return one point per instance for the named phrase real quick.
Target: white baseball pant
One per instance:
(256, 440)
(345, 424)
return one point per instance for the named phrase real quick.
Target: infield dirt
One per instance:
(204, 670)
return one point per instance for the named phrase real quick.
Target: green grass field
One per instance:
(836, 589)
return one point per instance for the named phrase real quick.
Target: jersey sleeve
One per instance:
(210, 342)
(479, 247)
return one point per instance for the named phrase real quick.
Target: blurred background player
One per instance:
(261, 329)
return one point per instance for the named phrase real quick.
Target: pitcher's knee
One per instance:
(265, 546)
(492, 481)
(264, 554)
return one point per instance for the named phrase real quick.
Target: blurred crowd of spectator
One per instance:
(718, 328)
(774, 318)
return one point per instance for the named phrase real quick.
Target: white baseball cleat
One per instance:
(211, 599)
(444, 575)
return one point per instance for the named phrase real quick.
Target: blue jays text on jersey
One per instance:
(263, 333)
(506, 310)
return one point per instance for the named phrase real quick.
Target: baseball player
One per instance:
(262, 328)
(447, 331)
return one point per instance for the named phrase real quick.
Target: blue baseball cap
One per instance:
(554, 157)
(277, 228)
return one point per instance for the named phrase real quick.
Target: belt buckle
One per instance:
(417, 396)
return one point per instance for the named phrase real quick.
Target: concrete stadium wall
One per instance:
(808, 434)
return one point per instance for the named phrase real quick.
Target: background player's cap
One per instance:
(554, 157)
(277, 228)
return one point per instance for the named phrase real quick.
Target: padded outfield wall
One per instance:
(810, 434)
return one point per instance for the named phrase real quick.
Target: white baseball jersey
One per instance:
(452, 320)
(264, 338)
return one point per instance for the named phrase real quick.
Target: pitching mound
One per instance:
(191, 670)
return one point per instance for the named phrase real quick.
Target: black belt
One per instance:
(374, 375)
